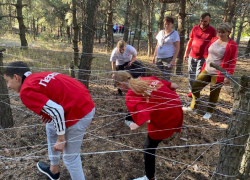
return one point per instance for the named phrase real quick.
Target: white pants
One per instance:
(71, 154)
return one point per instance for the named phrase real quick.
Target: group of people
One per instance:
(67, 108)
(205, 46)
(118, 28)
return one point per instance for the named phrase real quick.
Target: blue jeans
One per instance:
(194, 69)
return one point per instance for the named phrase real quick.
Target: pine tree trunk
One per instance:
(234, 28)
(232, 148)
(136, 27)
(162, 13)
(22, 28)
(110, 27)
(126, 23)
(149, 5)
(88, 41)
(245, 165)
(231, 12)
(6, 119)
(181, 30)
(240, 31)
(75, 40)
(247, 52)
(139, 32)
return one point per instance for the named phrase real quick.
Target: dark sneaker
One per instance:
(44, 168)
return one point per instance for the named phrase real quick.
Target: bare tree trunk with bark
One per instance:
(232, 148)
(162, 13)
(181, 30)
(139, 32)
(6, 119)
(22, 28)
(110, 27)
(136, 27)
(149, 5)
(126, 23)
(247, 52)
(88, 41)
(75, 40)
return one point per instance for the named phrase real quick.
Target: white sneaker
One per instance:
(207, 115)
(143, 178)
(189, 110)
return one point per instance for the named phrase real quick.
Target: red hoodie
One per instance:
(163, 109)
(229, 59)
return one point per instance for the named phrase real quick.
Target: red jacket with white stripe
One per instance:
(59, 97)
(163, 109)
(229, 59)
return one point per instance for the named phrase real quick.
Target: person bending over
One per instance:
(123, 55)
(152, 103)
(66, 107)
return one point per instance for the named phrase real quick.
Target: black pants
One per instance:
(149, 160)
(119, 68)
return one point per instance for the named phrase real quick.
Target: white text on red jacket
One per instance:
(151, 87)
(47, 79)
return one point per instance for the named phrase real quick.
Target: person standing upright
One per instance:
(167, 48)
(200, 36)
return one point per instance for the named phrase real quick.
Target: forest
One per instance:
(76, 38)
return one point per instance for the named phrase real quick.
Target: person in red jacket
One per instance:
(153, 103)
(65, 106)
(223, 52)
(200, 36)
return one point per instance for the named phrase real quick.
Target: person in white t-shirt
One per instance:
(123, 55)
(167, 48)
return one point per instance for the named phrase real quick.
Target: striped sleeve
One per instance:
(56, 112)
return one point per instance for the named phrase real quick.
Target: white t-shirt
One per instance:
(166, 45)
(215, 55)
(121, 59)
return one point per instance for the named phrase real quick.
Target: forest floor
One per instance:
(103, 155)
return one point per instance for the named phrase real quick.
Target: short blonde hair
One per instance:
(121, 44)
(225, 27)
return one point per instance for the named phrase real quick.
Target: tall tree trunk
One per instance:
(139, 32)
(230, 156)
(34, 28)
(234, 28)
(88, 41)
(232, 11)
(6, 119)
(245, 165)
(75, 40)
(136, 27)
(22, 28)
(162, 13)
(149, 5)
(240, 30)
(130, 34)
(126, 23)
(181, 30)
(68, 34)
(247, 52)
(110, 27)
